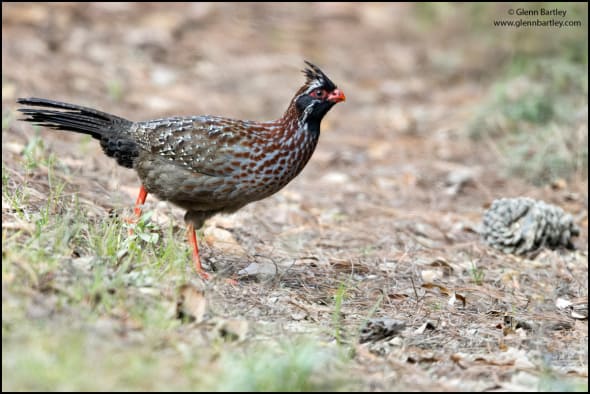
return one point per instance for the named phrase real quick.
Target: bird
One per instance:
(203, 164)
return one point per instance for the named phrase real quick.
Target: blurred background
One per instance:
(446, 110)
(442, 72)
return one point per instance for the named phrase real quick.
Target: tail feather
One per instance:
(65, 121)
(41, 102)
(71, 117)
(111, 130)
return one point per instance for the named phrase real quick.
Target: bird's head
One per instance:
(316, 97)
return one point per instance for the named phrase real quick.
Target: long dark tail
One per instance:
(111, 130)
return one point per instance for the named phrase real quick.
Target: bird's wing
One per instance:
(207, 145)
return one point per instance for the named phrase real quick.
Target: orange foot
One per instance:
(137, 210)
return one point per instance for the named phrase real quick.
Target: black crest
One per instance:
(313, 74)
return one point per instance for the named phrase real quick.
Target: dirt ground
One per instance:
(388, 208)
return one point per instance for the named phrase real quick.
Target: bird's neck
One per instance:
(299, 135)
(298, 121)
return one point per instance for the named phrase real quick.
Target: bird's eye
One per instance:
(318, 93)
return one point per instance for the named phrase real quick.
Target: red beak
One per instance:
(336, 96)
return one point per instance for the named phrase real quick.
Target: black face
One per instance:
(316, 98)
(319, 105)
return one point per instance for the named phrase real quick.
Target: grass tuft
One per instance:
(534, 120)
(298, 365)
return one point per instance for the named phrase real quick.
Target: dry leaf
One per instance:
(223, 240)
(443, 264)
(191, 304)
(426, 326)
(441, 288)
(580, 311)
(562, 303)
(397, 296)
(262, 271)
(233, 330)
(431, 275)
(461, 298)
(380, 328)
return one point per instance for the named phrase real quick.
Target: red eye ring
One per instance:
(318, 93)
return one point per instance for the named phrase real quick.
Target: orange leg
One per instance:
(137, 210)
(192, 240)
(140, 201)
(191, 233)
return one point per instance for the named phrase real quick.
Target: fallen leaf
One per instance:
(191, 304)
(441, 288)
(380, 328)
(262, 271)
(223, 240)
(426, 326)
(233, 330)
(562, 303)
(431, 275)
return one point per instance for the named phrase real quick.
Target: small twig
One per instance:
(415, 291)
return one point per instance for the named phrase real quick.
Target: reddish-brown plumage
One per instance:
(205, 164)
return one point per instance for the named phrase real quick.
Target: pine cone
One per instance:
(521, 225)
